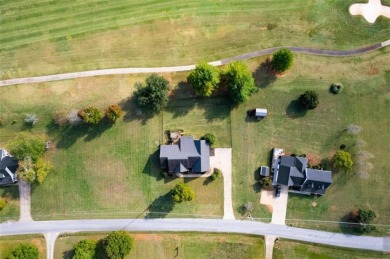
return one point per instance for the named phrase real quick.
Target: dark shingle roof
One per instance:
(291, 170)
(190, 154)
(317, 181)
(8, 167)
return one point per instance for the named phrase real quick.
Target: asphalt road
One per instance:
(139, 70)
(198, 225)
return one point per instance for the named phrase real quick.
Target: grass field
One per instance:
(78, 187)
(7, 244)
(11, 210)
(295, 250)
(180, 245)
(44, 37)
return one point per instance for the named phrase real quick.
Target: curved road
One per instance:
(139, 70)
(198, 225)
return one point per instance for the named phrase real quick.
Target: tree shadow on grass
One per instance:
(134, 113)
(161, 206)
(295, 110)
(69, 135)
(263, 75)
(96, 131)
(348, 226)
(11, 191)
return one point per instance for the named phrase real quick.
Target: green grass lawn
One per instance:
(109, 171)
(295, 250)
(45, 37)
(8, 243)
(11, 210)
(180, 245)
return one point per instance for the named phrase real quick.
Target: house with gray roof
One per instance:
(8, 167)
(292, 171)
(188, 156)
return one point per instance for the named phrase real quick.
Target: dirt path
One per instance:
(143, 70)
(25, 201)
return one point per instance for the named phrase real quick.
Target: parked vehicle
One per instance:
(277, 190)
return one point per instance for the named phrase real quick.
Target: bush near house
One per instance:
(210, 138)
(343, 160)
(266, 183)
(90, 115)
(27, 145)
(182, 192)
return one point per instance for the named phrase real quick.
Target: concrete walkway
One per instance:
(140, 70)
(50, 238)
(269, 246)
(25, 201)
(222, 160)
(280, 207)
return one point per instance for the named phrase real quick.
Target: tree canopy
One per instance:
(210, 138)
(309, 100)
(364, 218)
(343, 160)
(182, 192)
(154, 94)
(27, 145)
(90, 115)
(239, 81)
(114, 112)
(23, 251)
(85, 249)
(118, 244)
(204, 79)
(282, 60)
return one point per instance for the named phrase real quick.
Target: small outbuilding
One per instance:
(264, 171)
(258, 113)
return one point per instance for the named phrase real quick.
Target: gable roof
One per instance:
(291, 170)
(188, 155)
(8, 167)
(317, 181)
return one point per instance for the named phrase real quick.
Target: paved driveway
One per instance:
(25, 201)
(222, 160)
(280, 207)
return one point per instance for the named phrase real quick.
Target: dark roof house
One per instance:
(8, 166)
(293, 171)
(188, 156)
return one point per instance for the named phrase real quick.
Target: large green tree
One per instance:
(343, 160)
(364, 218)
(182, 192)
(27, 145)
(118, 244)
(154, 94)
(282, 60)
(24, 251)
(239, 81)
(204, 79)
(309, 100)
(85, 249)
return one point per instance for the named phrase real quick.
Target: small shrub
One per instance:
(210, 138)
(3, 203)
(309, 100)
(90, 115)
(336, 88)
(113, 112)
(74, 118)
(30, 119)
(266, 183)
(61, 118)
(216, 174)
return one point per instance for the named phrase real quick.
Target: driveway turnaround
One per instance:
(280, 207)
(197, 225)
(140, 70)
(222, 160)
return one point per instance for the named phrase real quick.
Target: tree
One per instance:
(343, 160)
(114, 112)
(27, 145)
(118, 244)
(153, 95)
(182, 192)
(26, 170)
(210, 138)
(23, 251)
(282, 60)
(85, 249)
(74, 118)
(309, 100)
(353, 129)
(41, 168)
(266, 183)
(90, 115)
(216, 174)
(61, 118)
(364, 218)
(204, 79)
(3, 203)
(240, 82)
(31, 119)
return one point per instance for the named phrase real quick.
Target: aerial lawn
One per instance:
(292, 249)
(180, 245)
(8, 243)
(11, 209)
(320, 132)
(46, 37)
(109, 171)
